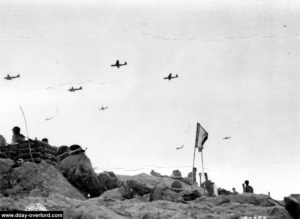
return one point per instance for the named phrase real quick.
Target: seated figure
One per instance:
(17, 136)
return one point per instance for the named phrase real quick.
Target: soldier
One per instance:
(247, 188)
(17, 136)
(192, 175)
(234, 191)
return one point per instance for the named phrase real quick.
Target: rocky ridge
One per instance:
(27, 183)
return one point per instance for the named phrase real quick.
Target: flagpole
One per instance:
(193, 166)
(201, 137)
(204, 182)
(196, 145)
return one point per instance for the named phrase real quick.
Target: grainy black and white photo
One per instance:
(150, 109)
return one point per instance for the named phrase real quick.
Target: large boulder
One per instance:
(154, 181)
(33, 179)
(176, 186)
(121, 193)
(154, 173)
(127, 190)
(163, 192)
(245, 198)
(138, 188)
(173, 193)
(296, 196)
(6, 165)
(108, 180)
(293, 207)
(223, 192)
(77, 168)
(89, 210)
(190, 196)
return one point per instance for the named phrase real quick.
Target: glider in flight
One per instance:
(72, 89)
(170, 77)
(118, 65)
(8, 77)
(179, 147)
(103, 108)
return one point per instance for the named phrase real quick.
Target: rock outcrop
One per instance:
(153, 181)
(77, 168)
(108, 180)
(136, 208)
(31, 184)
(292, 205)
(33, 179)
(6, 165)
(163, 192)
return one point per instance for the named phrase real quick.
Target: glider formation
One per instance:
(74, 89)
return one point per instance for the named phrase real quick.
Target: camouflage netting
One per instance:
(30, 151)
(77, 168)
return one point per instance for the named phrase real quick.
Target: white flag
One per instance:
(201, 137)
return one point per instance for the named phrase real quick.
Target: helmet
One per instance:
(16, 129)
(176, 186)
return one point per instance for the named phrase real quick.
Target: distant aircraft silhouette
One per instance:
(103, 108)
(72, 89)
(118, 65)
(179, 147)
(49, 118)
(170, 77)
(8, 77)
(227, 137)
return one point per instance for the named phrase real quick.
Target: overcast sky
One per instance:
(238, 67)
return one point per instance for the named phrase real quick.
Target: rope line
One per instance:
(189, 166)
(29, 146)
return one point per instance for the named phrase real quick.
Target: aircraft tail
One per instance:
(18, 75)
(125, 63)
